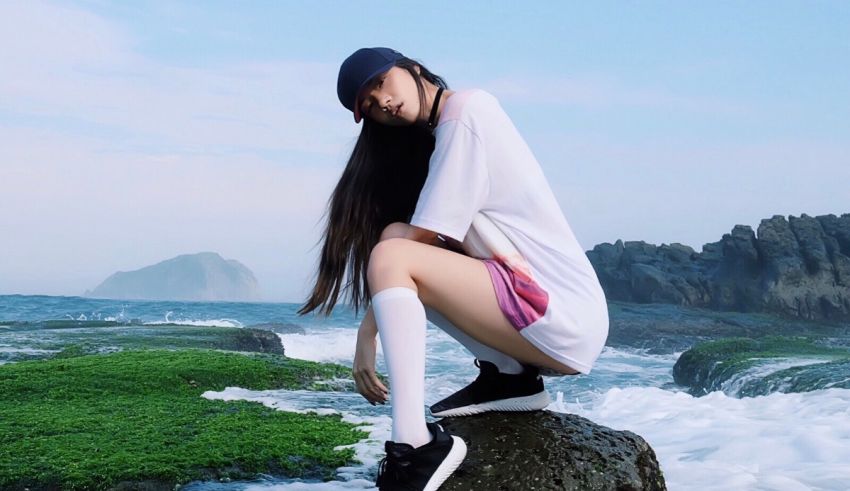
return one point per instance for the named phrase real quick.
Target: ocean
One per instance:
(718, 441)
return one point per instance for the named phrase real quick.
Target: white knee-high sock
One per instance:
(503, 362)
(401, 321)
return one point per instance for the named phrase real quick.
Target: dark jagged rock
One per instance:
(254, 340)
(544, 450)
(798, 267)
(205, 276)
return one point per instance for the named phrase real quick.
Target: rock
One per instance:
(280, 327)
(544, 450)
(799, 267)
(662, 328)
(744, 367)
(254, 340)
(204, 276)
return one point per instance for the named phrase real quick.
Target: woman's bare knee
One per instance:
(388, 266)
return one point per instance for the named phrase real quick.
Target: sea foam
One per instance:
(779, 442)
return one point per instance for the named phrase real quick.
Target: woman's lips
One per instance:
(398, 109)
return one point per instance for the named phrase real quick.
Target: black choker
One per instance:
(434, 108)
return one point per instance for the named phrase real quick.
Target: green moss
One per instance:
(707, 365)
(90, 422)
(832, 374)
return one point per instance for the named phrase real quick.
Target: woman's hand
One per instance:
(368, 384)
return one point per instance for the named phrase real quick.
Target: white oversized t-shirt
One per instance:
(486, 189)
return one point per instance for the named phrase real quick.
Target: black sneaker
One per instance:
(495, 391)
(421, 468)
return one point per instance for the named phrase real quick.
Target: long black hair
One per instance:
(380, 185)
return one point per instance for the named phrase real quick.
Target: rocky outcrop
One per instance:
(280, 327)
(799, 267)
(544, 450)
(663, 328)
(204, 276)
(743, 367)
(248, 339)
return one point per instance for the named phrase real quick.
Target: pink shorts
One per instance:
(521, 299)
(519, 310)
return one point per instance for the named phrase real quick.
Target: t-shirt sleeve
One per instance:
(457, 184)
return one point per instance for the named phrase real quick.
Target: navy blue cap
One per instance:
(357, 69)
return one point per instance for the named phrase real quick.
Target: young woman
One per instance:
(444, 214)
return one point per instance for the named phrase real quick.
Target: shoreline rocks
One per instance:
(743, 367)
(799, 267)
(544, 450)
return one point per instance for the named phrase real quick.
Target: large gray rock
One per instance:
(204, 276)
(544, 450)
(799, 267)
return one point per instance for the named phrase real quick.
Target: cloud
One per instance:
(70, 212)
(111, 160)
(77, 72)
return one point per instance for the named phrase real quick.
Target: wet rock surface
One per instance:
(799, 267)
(248, 339)
(744, 367)
(280, 327)
(45, 339)
(664, 328)
(543, 450)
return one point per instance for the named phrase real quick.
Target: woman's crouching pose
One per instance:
(444, 214)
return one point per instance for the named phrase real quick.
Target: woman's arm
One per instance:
(368, 327)
(428, 237)
(423, 235)
(412, 232)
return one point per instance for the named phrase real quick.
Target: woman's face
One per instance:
(391, 99)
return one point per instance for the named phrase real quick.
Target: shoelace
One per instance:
(395, 467)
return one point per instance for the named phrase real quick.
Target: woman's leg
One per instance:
(457, 286)
(503, 362)
(404, 276)
(400, 317)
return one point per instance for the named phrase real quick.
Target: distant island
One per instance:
(204, 276)
(799, 267)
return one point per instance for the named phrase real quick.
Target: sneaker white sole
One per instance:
(526, 403)
(449, 464)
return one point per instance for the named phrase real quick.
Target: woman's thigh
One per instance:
(457, 286)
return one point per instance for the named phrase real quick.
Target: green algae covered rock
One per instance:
(136, 418)
(750, 367)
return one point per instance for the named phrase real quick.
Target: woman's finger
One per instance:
(361, 387)
(377, 383)
(366, 389)
(374, 392)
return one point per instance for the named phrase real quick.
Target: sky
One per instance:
(133, 132)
